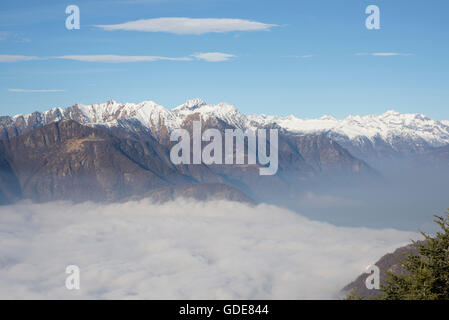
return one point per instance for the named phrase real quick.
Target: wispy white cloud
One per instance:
(22, 40)
(384, 54)
(213, 56)
(184, 25)
(76, 71)
(18, 38)
(109, 58)
(306, 56)
(36, 90)
(16, 58)
(4, 35)
(181, 250)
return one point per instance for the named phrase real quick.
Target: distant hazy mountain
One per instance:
(437, 156)
(387, 135)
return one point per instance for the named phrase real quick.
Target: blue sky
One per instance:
(304, 58)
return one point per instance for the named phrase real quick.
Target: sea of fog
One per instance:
(181, 250)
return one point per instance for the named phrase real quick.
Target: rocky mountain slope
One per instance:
(390, 262)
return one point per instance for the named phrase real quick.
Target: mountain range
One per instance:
(389, 134)
(113, 151)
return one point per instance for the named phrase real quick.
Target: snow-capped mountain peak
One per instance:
(325, 117)
(390, 113)
(190, 105)
(148, 113)
(221, 111)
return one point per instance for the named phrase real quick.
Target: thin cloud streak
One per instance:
(213, 56)
(184, 25)
(109, 58)
(307, 56)
(384, 54)
(16, 58)
(112, 58)
(4, 35)
(36, 90)
(207, 56)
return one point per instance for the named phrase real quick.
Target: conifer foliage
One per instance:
(427, 273)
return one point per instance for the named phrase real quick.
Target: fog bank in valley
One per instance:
(182, 249)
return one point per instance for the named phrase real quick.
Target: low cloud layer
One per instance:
(184, 25)
(183, 249)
